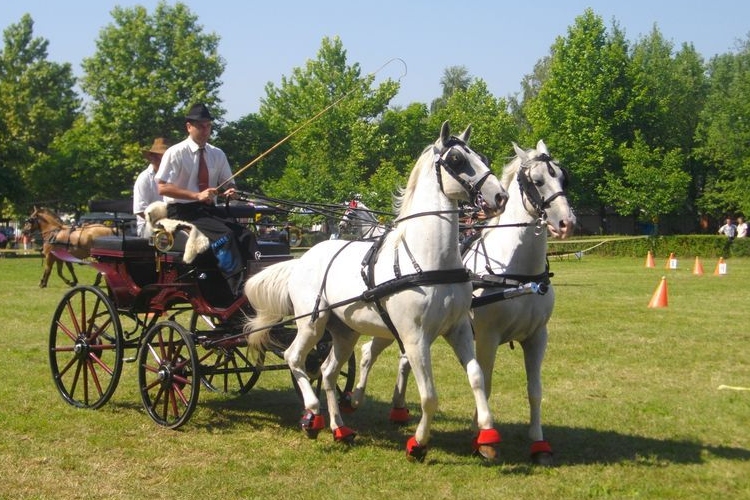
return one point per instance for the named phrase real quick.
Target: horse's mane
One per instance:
(49, 214)
(403, 198)
(510, 170)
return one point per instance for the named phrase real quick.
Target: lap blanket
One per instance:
(156, 217)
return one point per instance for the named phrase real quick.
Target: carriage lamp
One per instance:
(163, 240)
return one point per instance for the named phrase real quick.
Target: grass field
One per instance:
(633, 407)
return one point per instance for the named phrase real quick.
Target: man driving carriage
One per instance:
(189, 177)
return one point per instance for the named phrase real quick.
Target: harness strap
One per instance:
(438, 277)
(316, 308)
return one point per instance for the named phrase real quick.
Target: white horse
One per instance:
(360, 220)
(511, 251)
(414, 286)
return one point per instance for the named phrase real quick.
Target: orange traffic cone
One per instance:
(671, 262)
(698, 267)
(650, 259)
(721, 267)
(660, 295)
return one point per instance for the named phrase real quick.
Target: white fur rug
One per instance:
(156, 217)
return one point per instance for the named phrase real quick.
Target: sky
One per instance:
(496, 40)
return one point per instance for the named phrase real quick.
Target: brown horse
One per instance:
(76, 241)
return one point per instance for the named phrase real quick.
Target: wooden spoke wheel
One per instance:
(85, 347)
(168, 374)
(225, 366)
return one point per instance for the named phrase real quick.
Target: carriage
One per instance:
(417, 289)
(177, 320)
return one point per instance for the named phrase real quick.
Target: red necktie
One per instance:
(202, 170)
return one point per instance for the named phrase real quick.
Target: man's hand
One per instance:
(207, 195)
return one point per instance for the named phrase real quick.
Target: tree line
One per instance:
(646, 129)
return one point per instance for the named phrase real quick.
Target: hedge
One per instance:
(685, 246)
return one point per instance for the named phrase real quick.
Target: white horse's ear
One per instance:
(466, 134)
(445, 132)
(520, 152)
(541, 147)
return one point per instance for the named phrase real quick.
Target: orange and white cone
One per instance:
(659, 298)
(698, 267)
(721, 267)
(650, 260)
(671, 262)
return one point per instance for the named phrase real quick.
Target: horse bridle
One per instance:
(531, 191)
(450, 160)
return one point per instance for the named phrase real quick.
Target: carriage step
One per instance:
(130, 360)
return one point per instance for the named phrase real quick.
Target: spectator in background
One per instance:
(741, 228)
(729, 229)
(145, 189)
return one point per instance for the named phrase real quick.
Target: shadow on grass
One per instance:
(263, 407)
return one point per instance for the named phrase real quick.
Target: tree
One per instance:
(493, 127)
(146, 72)
(579, 110)
(332, 113)
(39, 104)
(454, 78)
(652, 182)
(244, 141)
(723, 135)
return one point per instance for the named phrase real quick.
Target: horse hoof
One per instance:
(312, 424)
(399, 416)
(487, 451)
(344, 435)
(415, 452)
(541, 453)
(345, 403)
(485, 443)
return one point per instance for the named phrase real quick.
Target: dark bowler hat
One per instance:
(199, 112)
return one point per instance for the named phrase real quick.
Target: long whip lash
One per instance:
(312, 119)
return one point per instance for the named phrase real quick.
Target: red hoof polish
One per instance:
(344, 435)
(415, 452)
(399, 416)
(312, 424)
(345, 403)
(484, 443)
(541, 453)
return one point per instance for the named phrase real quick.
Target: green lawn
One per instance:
(634, 407)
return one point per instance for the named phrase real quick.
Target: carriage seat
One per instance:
(121, 244)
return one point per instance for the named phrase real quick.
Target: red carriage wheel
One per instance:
(168, 375)
(225, 367)
(85, 347)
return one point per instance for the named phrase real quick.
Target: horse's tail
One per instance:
(268, 294)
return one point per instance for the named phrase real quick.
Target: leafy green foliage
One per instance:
(724, 134)
(177, 65)
(579, 110)
(651, 182)
(39, 104)
(330, 111)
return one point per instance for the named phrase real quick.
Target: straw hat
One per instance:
(159, 146)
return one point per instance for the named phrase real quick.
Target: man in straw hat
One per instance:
(145, 190)
(190, 175)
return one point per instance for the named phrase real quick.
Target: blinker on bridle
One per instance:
(531, 191)
(450, 160)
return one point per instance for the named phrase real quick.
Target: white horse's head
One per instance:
(543, 186)
(469, 177)
(359, 219)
